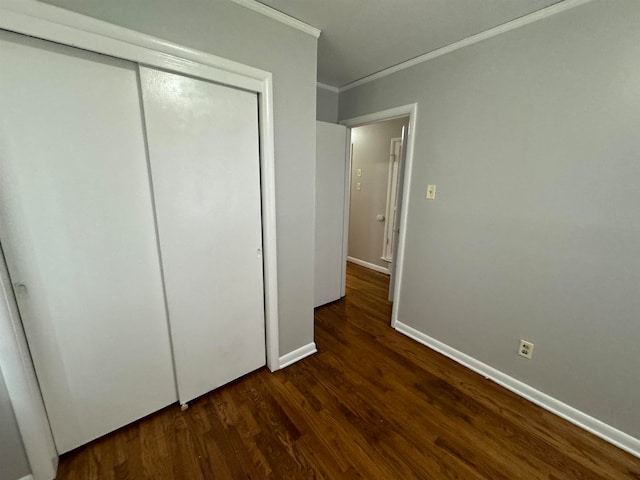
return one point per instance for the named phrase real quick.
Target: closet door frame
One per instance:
(55, 24)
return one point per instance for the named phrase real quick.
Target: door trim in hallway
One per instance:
(410, 110)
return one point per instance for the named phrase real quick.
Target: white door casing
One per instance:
(395, 237)
(390, 226)
(410, 110)
(205, 166)
(22, 385)
(78, 232)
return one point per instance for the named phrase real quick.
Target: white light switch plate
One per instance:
(431, 192)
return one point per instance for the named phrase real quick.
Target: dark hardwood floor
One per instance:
(371, 404)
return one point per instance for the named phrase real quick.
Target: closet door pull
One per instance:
(20, 288)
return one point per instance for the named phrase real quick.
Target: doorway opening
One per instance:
(361, 181)
(376, 159)
(378, 187)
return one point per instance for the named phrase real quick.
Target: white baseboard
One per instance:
(608, 433)
(28, 477)
(298, 354)
(372, 266)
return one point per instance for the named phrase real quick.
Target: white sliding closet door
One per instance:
(77, 229)
(203, 144)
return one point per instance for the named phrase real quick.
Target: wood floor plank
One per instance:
(371, 404)
(414, 419)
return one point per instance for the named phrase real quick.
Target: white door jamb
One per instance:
(410, 110)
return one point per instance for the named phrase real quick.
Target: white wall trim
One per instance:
(492, 32)
(608, 433)
(22, 385)
(410, 110)
(384, 115)
(56, 24)
(324, 86)
(369, 265)
(279, 16)
(346, 209)
(387, 241)
(28, 477)
(298, 354)
(269, 235)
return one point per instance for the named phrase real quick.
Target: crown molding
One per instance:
(324, 86)
(492, 32)
(279, 16)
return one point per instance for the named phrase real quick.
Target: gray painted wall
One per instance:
(532, 138)
(13, 460)
(237, 33)
(371, 144)
(326, 105)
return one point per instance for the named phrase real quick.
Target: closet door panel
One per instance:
(77, 229)
(203, 144)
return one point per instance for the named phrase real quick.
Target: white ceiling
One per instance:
(362, 37)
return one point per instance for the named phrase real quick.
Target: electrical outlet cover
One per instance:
(525, 349)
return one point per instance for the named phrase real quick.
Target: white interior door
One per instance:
(204, 150)
(77, 228)
(331, 171)
(390, 224)
(398, 211)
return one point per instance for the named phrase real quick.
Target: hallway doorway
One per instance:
(376, 161)
(389, 219)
